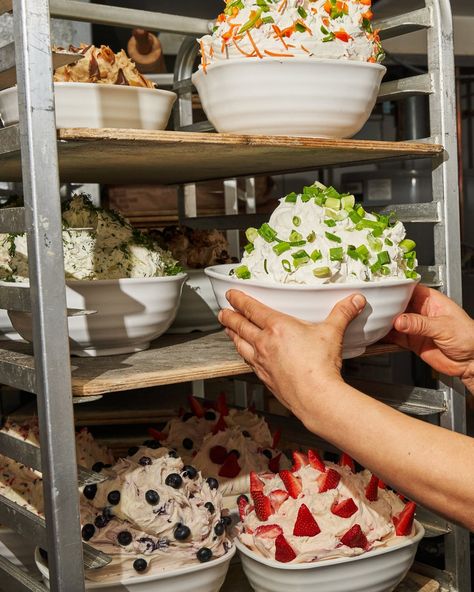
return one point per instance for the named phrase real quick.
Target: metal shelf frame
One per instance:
(50, 378)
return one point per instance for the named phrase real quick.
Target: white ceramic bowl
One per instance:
(198, 308)
(130, 313)
(292, 96)
(385, 301)
(83, 104)
(380, 570)
(7, 332)
(203, 577)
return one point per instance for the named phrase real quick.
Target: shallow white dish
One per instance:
(380, 570)
(203, 577)
(198, 308)
(385, 301)
(293, 96)
(131, 312)
(84, 104)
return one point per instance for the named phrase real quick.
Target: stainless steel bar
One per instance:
(436, 524)
(231, 205)
(431, 275)
(10, 139)
(12, 220)
(15, 298)
(14, 579)
(31, 20)
(417, 212)
(128, 17)
(404, 23)
(200, 126)
(17, 369)
(405, 87)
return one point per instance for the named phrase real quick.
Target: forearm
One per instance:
(430, 465)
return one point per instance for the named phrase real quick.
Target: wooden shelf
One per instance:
(172, 359)
(139, 156)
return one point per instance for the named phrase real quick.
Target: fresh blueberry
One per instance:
(153, 444)
(101, 521)
(145, 460)
(124, 538)
(88, 531)
(132, 450)
(226, 520)
(114, 498)
(267, 453)
(107, 513)
(246, 434)
(172, 453)
(152, 497)
(210, 507)
(242, 497)
(140, 565)
(98, 466)
(204, 555)
(187, 416)
(174, 480)
(181, 532)
(189, 472)
(188, 444)
(210, 416)
(90, 491)
(213, 483)
(234, 452)
(219, 529)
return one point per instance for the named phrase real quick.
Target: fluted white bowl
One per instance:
(380, 570)
(85, 104)
(130, 313)
(385, 301)
(293, 96)
(202, 577)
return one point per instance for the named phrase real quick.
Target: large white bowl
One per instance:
(385, 301)
(203, 577)
(292, 96)
(130, 313)
(7, 332)
(198, 308)
(380, 570)
(83, 104)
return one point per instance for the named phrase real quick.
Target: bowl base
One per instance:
(354, 352)
(110, 351)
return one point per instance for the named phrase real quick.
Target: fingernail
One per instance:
(403, 323)
(219, 316)
(358, 301)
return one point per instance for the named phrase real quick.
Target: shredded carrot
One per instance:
(288, 32)
(221, 18)
(247, 55)
(223, 46)
(291, 45)
(305, 49)
(303, 24)
(372, 60)
(203, 56)
(235, 11)
(282, 6)
(325, 21)
(254, 45)
(279, 34)
(368, 14)
(366, 2)
(279, 55)
(327, 6)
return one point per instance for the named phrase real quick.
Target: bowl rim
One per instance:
(217, 272)
(43, 568)
(302, 60)
(409, 541)
(70, 282)
(93, 85)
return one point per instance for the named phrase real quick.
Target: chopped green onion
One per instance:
(331, 223)
(316, 255)
(267, 19)
(333, 202)
(374, 243)
(336, 254)
(250, 24)
(411, 275)
(300, 258)
(328, 38)
(320, 200)
(354, 216)
(375, 268)
(368, 224)
(322, 272)
(360, 210)
(249, 248)
(363, 253)
(305, 197)
(347, 202)
(291, 198)
(388, 242)
(407, 245)
(286, 265)
(265, 266)
(333, 237)
(300, 28)
(296, 221)
(384, 270)
(352, 252)
(383, 258)
(302, 12)
(311, 237)
(251, 234)
(295, 236)
(280, 248)
(324, 31)
(267, 232)
(331, 192)
(299, 243)
(242, 272)
(377, 231)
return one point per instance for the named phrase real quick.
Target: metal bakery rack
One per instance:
(35, 152)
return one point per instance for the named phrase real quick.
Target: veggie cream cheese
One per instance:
(321, 236)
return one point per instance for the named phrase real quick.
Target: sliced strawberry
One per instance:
(372, 489)
(382, 485)
(243, 507)
(330, 480)
(305, 524)
(354, 537)
(283, 551)
(277, 498)
(316, 461)
(344, 509)
(276, 438)
(263, 507)
(346, 461)
(292, 483)
(230, 468)
(255, 482)
(221, 405)
(156, 435)
(268, 531)
(218, 454)
(299, 460)
(220, 426)
(196, 407)
(404, 521)
(274, 463)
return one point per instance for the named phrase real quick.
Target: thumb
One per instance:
(346, 311)
(415, 324)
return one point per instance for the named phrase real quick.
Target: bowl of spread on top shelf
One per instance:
(131, 286)
(101, 90)
(312, 67)
(317, 248)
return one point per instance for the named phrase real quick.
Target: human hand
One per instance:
(439, 331)
(291, 357)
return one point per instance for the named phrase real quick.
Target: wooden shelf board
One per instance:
(172, 359)
(129, 156)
